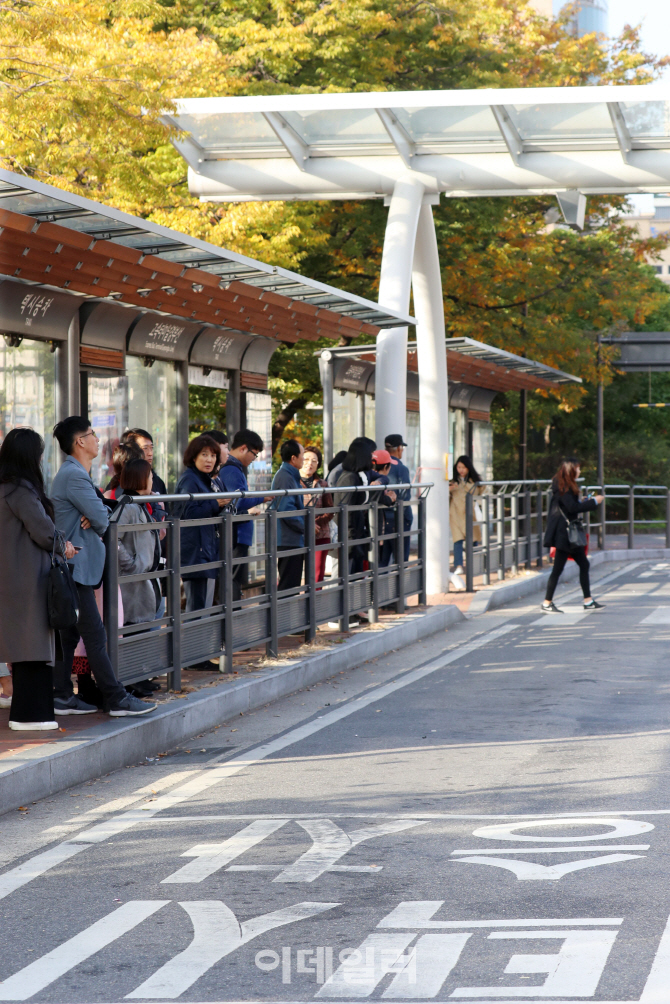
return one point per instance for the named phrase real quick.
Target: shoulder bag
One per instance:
(62, 596)
(576, 530)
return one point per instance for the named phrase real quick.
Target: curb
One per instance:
(108, 747)
(491, 599)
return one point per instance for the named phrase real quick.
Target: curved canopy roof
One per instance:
(464, 142)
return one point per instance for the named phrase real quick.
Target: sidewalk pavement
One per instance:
(33, 765)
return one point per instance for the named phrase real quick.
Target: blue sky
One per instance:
(655, 18)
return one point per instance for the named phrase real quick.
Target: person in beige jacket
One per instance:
(465, 483)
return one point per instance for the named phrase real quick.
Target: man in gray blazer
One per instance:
(83, 518)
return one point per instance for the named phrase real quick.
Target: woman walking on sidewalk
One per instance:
(26, 540)
(563, 524)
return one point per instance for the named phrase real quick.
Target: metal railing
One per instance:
(180, 638)
(511, 529)
(515, 517)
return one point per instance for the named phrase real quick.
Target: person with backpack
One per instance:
(566, 533)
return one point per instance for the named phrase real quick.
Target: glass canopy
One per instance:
(48, 204)
(562, 118)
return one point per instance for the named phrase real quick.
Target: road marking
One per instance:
(116, 804)
(36, 866)
(330, 843)
(419, 914)
(529, 871)
(433, 958)
(661, 615)
(40, 973)
(552, 850)
(620, 828)
(213, 776)
(656, 988)
(378, 955)
(216, 933)
(209, 858)
(566, 619)
(575, 970)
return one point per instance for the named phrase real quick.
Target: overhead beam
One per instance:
(621, 129)
(509, 132)
(401, 141)
(294, 144)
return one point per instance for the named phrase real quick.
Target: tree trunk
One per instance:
(283, 419)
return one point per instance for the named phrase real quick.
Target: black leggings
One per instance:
(579, 554)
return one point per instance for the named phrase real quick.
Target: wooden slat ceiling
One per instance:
(478, 373)
(68, 259)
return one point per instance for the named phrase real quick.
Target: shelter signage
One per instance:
(36, 312)
(220, 349)
(161, 337)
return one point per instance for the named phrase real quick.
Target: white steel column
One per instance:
(433, 397)
(394, 290)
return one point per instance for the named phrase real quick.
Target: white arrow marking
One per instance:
(530, 872)
(378, 955)
(330, 843)
(40, 973)
(210, 857)
(575, 971)
(434, 956)
(216, 933)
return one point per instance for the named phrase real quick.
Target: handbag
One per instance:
(576, 530)
(62, 596)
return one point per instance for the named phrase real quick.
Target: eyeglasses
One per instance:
(255, 452)
(91, 433)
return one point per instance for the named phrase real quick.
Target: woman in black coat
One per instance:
(564, 508)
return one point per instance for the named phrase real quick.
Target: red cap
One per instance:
(381, 457)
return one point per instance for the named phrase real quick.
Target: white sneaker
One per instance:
(457, 582)
(33, 726)
(5, 701)
(459, 571)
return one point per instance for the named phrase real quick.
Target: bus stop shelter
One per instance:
(409, 148)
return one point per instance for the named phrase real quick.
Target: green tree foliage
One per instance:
(83, 85)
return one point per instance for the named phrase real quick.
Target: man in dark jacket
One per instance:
(144, 440)
(290, 529)
(399, 475)
(233, 478)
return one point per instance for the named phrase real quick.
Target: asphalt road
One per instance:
(484, 816)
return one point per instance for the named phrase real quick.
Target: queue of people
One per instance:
(72, 520)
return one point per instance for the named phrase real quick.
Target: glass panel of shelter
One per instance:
(244, 129)
(565, 124)
(108, 413)
(153, 405)
(647, 119)
(439, 125)
(333, 127)
(28, 395)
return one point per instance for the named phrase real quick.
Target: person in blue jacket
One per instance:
(232, 477)
(200, 544)
(290, 529)
(398, 475)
